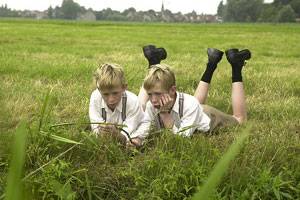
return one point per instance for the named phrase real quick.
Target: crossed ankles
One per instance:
(235, 57)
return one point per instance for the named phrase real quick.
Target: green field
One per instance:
(38, 57)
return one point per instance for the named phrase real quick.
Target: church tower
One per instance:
(162, 11)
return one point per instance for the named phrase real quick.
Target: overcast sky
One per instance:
(184, 6)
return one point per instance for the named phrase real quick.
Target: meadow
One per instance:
(46, 70)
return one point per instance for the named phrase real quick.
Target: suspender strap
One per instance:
(161, 124)
(103, 113)
(124, 102)
(181, 100)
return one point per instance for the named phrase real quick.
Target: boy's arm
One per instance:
(134, 116)
(94, 113)
(144, 125)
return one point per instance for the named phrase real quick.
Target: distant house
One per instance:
(210, 18)
(40, 14)
(87, 16)
(219, 19)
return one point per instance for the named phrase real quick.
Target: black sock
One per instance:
(207, 75)
(237, 73)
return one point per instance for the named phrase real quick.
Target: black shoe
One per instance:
(148, 51)
(154, 55)
(162, 53)
(236, 57)
(214, 55)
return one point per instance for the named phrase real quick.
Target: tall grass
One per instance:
(205, 191)
(14, 188)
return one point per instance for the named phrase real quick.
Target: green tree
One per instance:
(243, 10)
(50, 12)
(70, 9)
(129, 10)
(268, 14)
(295, 4)
(103, 15)
(7, 12)
(220, 10)
(286, 14)
(281, 2)
(57, 13)
(116, 16)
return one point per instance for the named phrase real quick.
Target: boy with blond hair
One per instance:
(183, 113)
(111, 104)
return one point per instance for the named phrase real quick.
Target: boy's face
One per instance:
(113, 96)
(155, 94)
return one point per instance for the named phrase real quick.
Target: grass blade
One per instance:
(45, 104)
(88, 186)
(221, 167)
(87, 123)
(14, 182)
(62, 139)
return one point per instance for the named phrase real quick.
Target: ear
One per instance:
(97, 84)
(173, 90)
(125, 87)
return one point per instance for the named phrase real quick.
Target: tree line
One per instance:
(73, 11)
(232, 11)
(258, 11)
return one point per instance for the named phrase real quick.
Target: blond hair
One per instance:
(162, 74)
(109, 76)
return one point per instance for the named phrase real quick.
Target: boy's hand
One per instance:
(166, 103)
(135, 142)
(111, 130)
(108, 129)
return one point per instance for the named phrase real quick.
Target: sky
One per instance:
(184, 6)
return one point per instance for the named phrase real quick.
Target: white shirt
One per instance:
(134, 112)
(193, 118)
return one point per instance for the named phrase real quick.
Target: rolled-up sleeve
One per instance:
(133, 119)
(143, 129)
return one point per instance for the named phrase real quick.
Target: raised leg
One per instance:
(239, 102)
(143, 98)
(214, 56)
(237, 60)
